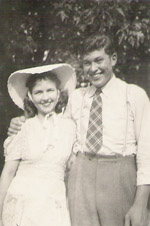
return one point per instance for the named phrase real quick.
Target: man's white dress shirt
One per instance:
(126, 122)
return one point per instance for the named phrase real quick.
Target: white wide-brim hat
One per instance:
(17, 81)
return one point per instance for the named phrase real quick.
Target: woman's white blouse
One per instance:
(35, 138)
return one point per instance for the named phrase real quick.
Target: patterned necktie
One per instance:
(94, 132)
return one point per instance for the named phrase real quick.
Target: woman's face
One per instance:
(44, 96)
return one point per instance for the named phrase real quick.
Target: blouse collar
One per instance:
(45, 123)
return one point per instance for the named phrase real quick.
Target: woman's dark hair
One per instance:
(99, 41)
(31, 81)
(29, 108)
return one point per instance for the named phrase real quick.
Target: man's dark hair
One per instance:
(99, 41)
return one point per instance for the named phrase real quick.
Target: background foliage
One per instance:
(37, 32)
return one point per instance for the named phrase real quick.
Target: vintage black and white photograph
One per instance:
(74, 113)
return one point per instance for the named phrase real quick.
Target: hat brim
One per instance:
(17, 80)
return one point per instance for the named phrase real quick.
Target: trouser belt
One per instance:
(99, 156)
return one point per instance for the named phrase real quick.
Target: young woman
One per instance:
(32, 189)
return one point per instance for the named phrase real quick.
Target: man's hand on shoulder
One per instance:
(15, 125)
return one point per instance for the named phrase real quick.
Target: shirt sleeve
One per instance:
(73, 111)
(142, 132)
(74, 102)
(14, 146)
(73, 106)
(73, 134)
(67, 113)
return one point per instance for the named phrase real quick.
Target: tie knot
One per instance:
(98, 91)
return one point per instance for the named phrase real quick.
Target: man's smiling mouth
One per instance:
(97, 76)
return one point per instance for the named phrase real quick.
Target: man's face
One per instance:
(98, 67)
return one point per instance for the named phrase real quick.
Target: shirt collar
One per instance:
(45, 122)
(105, 90)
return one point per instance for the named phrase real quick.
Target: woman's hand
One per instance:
(71, 161)
(15, 125)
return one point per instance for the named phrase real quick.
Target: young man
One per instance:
(102, 183)
(110, 177)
